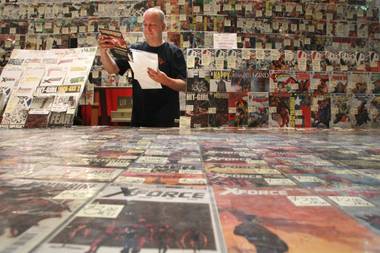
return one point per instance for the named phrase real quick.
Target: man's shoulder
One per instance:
(172, 46)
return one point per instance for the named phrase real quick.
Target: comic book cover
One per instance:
(128, 177)
(254, 220)
(199, 83)
(168, 168)
(218, 109)
(239, 166)
(319, 83)
(258, 109)
(374, 62)
(197, 107)
(290, 59)
(340, 179)
(249, 180)
(360, 111)
(358, 83)
(220, 59)
(282, 83)
(317, 61)
(338, 83)
(9, 79)
(33, 209)
(39, 112)
(260, 80)
(241, 80)
(16, 111)
(361, 204)
(374, 86)
(279, 111)
(208, 58)
(140, 218)
(374, 111)
(340, 111)
(238, 109)
(193, 58)
(69, 173)
(320, 111)
(300, 110)
(263, 59)
(220, 81)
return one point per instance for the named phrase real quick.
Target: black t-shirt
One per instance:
(157, 107)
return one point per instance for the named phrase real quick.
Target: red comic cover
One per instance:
(287, 220)
(279, 111)
(238, 109)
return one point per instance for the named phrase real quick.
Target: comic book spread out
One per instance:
(124, 219)
(32, 210)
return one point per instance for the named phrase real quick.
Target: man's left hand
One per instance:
(158, 76)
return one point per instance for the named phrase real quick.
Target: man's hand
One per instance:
(158, 76)
(162, 78)
(105, 42)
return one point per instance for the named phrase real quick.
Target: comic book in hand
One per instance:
(121, 50)
(33, 209)
(140, 219)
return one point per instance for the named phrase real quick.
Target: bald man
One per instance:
(152, 107)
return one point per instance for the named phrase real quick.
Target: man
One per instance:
(152, 107)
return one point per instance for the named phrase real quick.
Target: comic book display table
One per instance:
(104, 189)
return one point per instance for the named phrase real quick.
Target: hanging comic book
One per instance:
(258, 109)
(360, 111)
(320, 111)
(340, 111)
(218, 109)
(238, 109)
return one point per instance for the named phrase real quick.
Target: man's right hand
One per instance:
(105, 42)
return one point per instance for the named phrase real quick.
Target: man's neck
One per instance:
(156, 43)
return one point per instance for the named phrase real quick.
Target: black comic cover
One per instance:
(258, 109)
(320, 111)
(218, 109)
(360, 111)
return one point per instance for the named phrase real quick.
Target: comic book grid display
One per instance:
(43, 88)
(101, 189)
(329, 51)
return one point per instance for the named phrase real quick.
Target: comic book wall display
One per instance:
(42, 88)
(337, 39)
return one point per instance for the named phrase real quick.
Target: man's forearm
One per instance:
(108, 63)
(175, 84)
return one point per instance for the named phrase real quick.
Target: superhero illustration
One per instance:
(262, 238)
